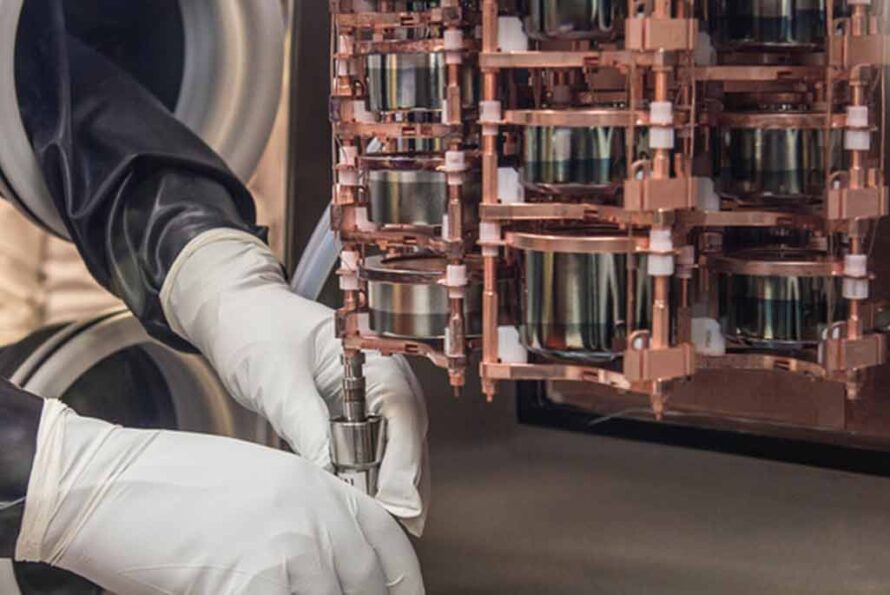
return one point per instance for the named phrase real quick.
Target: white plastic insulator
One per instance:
(661, 138)
(489, 231)
(510, 189)
(661, 113)
(857, 140)
(660, 265)
(454, 179)
(342, 67)
(454, 58)
(348, 155)
(857, 116)
(344, 44)
(855, 289)
(456, 275)
(349, 271)
(707, 197)
(446, 228)
(510, 347)
(511, 35)
(707, 337)
(454, 40)
(347, 177)
(490, 112)
(661, 241)
(362, 221)
(856, 265)
(859, 2)
(455, 161)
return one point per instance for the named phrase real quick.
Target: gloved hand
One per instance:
(278, 355)
(139, 511)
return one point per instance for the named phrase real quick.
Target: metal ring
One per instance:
(576, 244)
(230, 93)
(777, 263)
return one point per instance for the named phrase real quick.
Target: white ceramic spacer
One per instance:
(455, 161)
(347, 177)
(454, 40)
(661, 137)
(661, 253)
(364, 323)
(510, 190)
(707, 336)
(490, 112)
(510, 347)
(342, 67)
(857, 140)
(348, 155)
(456, 275)
(349, 270)
(855, 289)
(661, 113)
(344, 44)
(489, 231)
(856, 265)
(857, 116)
(446, 227)
(511, 35)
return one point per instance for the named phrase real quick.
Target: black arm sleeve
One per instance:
(19, 420)
(131, 182)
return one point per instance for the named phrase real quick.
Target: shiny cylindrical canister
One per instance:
(413, 190)
(575, 295)
(773, 164)
(778, 298)
(767, 23)
(406, 299)
(413, 82)
(574, 19)
(586, 156)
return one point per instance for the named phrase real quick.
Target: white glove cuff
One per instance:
(199, 242)
(46, 475)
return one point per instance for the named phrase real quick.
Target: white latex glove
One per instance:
(139, 511)
(278, 355)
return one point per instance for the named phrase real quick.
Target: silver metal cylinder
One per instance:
(574, 19)
(357, 451)
(740, 24)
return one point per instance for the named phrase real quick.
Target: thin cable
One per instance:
(7, 505)
(618, 415)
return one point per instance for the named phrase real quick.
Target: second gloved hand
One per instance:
(277, 354)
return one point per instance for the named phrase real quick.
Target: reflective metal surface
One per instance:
(406, 300)
(231, 68)
(405, 82)
(575, 305)
(762, 305)
(410, 190)
(772, 164)
(589, 156)
(765, 23)
(574, 19)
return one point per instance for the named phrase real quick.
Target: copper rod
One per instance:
(661, 317)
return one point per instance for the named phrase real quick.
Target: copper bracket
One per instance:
(641, 365)
(649, 34)
(652, 194)
(850, 51)
(859, 203)
(842, 355)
